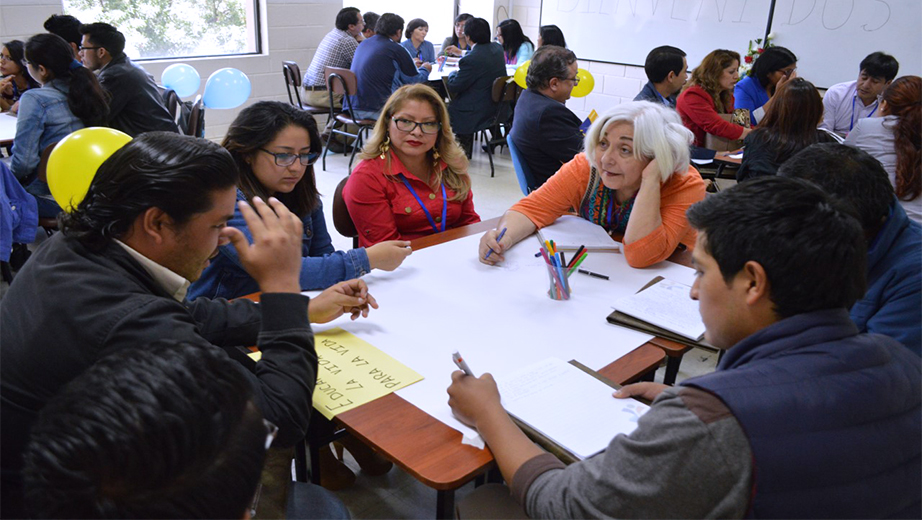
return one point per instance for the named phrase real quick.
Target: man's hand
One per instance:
(472, 398)
(647, 391)
(350, 296)
(274, 257)
(388, 255)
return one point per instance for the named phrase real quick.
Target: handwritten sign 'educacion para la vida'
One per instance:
(352, 372)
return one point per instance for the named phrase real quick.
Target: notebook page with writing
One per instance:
(569, 232)
(568, 406)
(667, 305)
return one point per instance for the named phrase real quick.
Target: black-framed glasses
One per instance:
(82, 48)
(428, 127)
(574, 80)
(4, 57)
(287, 159)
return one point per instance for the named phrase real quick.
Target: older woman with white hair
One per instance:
(634, 179)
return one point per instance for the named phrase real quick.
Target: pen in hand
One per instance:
(500, 237)
(456, 357)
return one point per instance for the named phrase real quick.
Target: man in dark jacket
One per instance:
(136, 105)
(116, 276)
(544, 131)
(804, 417)
(472, 107)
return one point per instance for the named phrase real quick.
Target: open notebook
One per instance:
(568, 406)
(570, 232)
(664, 308)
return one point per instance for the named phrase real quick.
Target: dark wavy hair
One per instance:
(903, 98)
(167, 430)
(513, 37)
(707, 76)
(17, 52)
(463, 17)
(173, 172)
(789, 126)
(257, 125)
(773, 59)
(86, 98)
(796, 232)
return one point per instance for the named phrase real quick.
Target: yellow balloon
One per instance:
(586, 83)
(74, 160)
(520, 74)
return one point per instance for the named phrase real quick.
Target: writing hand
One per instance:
(471, 398)
(487, 242)
(274, 257)
(350, 297)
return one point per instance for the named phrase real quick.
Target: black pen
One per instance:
(596, 275)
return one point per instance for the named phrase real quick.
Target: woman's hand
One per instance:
(388, 255)
(648, 391)
(452, 50)
(489, 242)
(651, 173)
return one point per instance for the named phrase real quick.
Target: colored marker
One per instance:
(595, 275)
(500, 237)
(575, 257)
(456, 357)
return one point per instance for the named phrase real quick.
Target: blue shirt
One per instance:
(321, 265)
(381, 65)
(749, 94)
(425, 52)
(44, 119)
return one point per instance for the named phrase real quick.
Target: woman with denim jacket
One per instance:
(70, 98)
(275, 146)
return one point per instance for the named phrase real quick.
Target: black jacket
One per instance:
(69, 306)
(472, 107)
(136, 105)
(546, 134)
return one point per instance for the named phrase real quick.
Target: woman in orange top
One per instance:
(634, 179)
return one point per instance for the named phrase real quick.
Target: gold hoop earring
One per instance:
(385, 146)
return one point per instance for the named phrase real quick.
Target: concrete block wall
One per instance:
(292, 31)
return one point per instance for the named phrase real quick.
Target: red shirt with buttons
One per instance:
(382, 207)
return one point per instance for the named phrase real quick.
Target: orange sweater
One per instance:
(576, 183)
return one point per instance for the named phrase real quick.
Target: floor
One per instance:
(397, 494)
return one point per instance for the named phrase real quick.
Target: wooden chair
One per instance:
(505, 92)
(343, 81)
(342, 221)
(292, 74)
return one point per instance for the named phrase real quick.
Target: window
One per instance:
(176, 28)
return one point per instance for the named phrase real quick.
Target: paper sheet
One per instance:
(569, 406)
(569, 232)
(667, 305)
(352, 372)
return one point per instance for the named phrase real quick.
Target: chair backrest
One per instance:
(172, 103)
(196, 124)
(347, 86)
(342, 221)
(292, 74)
(43, 163)
(504, 89)
(522, 172)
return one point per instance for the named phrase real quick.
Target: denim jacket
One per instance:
(44, 118)
(321, 265)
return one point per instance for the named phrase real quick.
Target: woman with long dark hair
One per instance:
(457, 43)
(516, 46)
(755, 92)
(275, 146)
(895, 139)
(70, 99)
(15, 78)
(789, 126)
(551, 35)
(708, 94)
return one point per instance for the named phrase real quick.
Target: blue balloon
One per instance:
(182, 78)
(226, 88)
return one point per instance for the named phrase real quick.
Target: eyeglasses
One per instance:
(788, 71)
(287, 159)
(4, 57)
(574, 80)
(428, 127)
(82, 48)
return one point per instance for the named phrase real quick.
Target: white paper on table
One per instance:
(667, 305)
(569, 232)
(568, 406)
(500, 318)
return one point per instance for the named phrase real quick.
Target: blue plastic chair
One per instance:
(526, 179)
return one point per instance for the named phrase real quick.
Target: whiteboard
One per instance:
(624, 31)
(831, 37)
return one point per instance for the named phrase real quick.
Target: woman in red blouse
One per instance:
(412, 180)
(710, 92)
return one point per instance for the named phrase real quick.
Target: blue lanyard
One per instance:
(426, 211)
(851, 124)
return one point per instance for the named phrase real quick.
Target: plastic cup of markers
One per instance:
(559, 288)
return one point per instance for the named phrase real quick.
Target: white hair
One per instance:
(658, 133)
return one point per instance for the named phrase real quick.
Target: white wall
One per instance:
(294, 28)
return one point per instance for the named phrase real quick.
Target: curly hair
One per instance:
(707, 76)
(903, 99)
(455, 175)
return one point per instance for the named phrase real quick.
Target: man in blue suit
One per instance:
(544, 130)
(472, 107)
